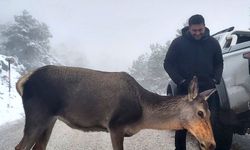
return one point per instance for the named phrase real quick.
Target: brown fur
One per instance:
(92, 100)
(21, 81)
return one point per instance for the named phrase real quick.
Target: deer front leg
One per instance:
(117, 138)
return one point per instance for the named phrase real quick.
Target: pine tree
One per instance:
(139, 70)
(158, 76)
(28, 40)
(148, 69)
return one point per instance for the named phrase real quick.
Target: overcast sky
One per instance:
(110, 34)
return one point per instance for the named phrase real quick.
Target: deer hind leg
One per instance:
(36, 132)
(29, 138)
(42, 141)
(36, 122)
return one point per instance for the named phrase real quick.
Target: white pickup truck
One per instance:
(234, 89)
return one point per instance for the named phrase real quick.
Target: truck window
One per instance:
(243, 38)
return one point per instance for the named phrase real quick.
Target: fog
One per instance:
(109, 35)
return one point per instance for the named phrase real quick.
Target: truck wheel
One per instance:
(223, 137)
(223, 133)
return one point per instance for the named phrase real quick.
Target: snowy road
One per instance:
(65, 138)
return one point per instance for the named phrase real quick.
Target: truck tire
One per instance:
(223, 136)
(223, 133)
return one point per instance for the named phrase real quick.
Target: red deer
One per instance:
(114, 102)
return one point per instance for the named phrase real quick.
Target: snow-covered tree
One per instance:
(148, 69)
(139, 70)
(28, 39)
(2, 38)
(158, 75)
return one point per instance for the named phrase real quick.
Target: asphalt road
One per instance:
(65, 138)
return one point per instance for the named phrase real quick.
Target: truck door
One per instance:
(237, 78)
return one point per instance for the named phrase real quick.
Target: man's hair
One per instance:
(196, 19)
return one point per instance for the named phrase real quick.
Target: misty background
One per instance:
(108, 35)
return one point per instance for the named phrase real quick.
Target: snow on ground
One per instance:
(11, 107)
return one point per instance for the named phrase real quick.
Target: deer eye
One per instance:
(201, 114)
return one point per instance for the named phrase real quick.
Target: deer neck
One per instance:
(161, 112)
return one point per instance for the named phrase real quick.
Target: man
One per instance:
(195, 53)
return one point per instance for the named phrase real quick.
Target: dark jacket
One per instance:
(188, 57)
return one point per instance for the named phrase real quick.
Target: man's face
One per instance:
(197, 30)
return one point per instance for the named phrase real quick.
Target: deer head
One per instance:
(195, 116)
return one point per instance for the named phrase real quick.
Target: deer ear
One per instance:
(206, 94)
(193, 89)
